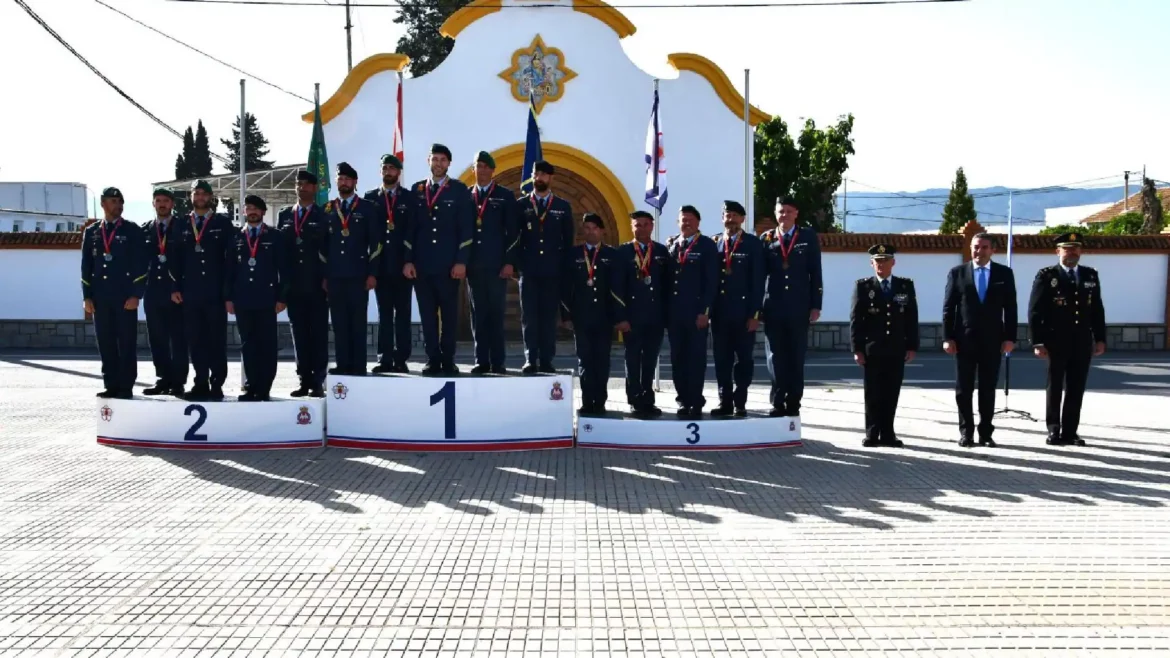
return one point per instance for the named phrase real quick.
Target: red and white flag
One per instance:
(398, 151)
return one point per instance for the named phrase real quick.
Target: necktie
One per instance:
(981, 282)
(199, 222)
(253, 230)
(1072, 275)
(886, 287)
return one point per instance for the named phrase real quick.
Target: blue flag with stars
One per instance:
(532, 150)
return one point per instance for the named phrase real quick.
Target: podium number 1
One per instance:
(447, 395)
(202, 412)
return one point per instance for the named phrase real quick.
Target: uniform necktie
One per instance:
(199, 222)
(253, 232)
(1072, 276)
(981, 282)
(886, 287)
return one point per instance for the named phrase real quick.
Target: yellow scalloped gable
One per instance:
(366, 69)
(477, 9)
(719, 82)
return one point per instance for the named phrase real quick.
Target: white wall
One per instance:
(842, 270)
(1133, 287)
(40, 284)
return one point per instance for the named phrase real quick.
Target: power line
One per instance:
(101, 75)
(720, 5)
(211, 57)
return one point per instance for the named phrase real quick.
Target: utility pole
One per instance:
(845, 210)
(348, 39)
(1127, 190)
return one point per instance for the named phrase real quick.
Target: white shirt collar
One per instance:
(881, 280)
(439, 182)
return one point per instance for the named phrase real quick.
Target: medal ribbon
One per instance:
(644, 262)
(591, 265)
(345, 218)
(682, 255)
(432, 200)
(248, 236)
(729, 248)
(547, 205)
(199, 233)
(481, 207)
(780, 238)
(299, 219)
(110, 240)
(390, 199)
(162, 239)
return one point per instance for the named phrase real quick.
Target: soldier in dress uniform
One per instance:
(304, 229)
(1066, 317)
(436, 258)
(883, 331)
(736, 315)
(641, 283)
(792, 301)
(353, 254)
(113, 279)
(692, 294)
(197, 268)
(256, 286)
(164, 318)
(493, 262)
(587, 304)
(399, 205)
(546, 236)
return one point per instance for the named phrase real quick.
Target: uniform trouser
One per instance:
(882, 379)
(785, 343)
(438, 304)
(117, 340)
(168, 341)
(540, 298)
(488, 293)
(258, 346)
(734, 348)
(643, 343)
(393, 297)
(206, 327)
(308, 312)
(348, 303)
(688, 362)
(972, 361)
(593, 345)
(1068, 372)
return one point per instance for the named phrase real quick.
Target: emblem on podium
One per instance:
(304, 417)
(556, 393)
(107, 413)
(339, 391)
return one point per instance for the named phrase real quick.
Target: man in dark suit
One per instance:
(979, 324)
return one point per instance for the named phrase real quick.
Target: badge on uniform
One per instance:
(872, 294)
(1054, 284)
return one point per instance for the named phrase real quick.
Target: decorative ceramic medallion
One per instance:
(539, 70)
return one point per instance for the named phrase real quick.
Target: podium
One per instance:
(755, 431)
(183, 425)
(450, 413)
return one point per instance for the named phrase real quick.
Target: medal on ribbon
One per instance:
(345, 218)
(481, 207)
(432, 200)
(643, 261)
(682, 255)
(391, 200)
(107, 241)
(161, 238)
(729, 247)
(198, 232)
(785, 251)
(590, 264)
(299, 221)
(536, 210)
(253, 246)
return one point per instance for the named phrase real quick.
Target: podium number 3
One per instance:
(201, 411)
(447, 396)
(694, 437)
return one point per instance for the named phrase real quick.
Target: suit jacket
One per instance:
(880, 324)
(1063, 314)
(986, 324)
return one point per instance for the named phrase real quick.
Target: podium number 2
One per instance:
(447, 396)
(191, 431)
(694, 437)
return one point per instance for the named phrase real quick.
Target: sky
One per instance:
(1022, 93)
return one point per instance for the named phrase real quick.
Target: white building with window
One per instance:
(42, 207)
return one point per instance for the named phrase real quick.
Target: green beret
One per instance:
(486, 158)
(253, 200)
(201, 185)
(344, 169)
(544, 167)
(593, 218)
(439, 149)
(786, 200)
(735, 207)
(641, 214)
(390, 159)
(112, 193)
(162, 191)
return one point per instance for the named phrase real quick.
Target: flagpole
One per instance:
(657, 215)
(243, 186)
(748, 163)
(1007, 357)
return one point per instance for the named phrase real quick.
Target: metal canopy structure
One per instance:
(277, 186)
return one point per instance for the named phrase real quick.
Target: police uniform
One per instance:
(440, 239)
(393, 294)
(740, 298)
(642, 282)
(353, 252)
(883, 327)
(1066, 316)
(546, 236)
(197, 269)
(257, 279)
(588, 301)
(113, 271)
(692, 293)
(794, 290)
(164, 318)
(304, 231)
(496, 245)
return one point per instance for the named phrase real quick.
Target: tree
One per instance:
(183, 162)
(960, 207)
(1151, 208)
(810, 168)
(1129, 223)
(255, 148)
(200, 166)
(422, 41)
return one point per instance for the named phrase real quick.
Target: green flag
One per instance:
(318, 162)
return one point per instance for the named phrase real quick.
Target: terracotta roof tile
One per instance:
(1135, 205)
(30, 240)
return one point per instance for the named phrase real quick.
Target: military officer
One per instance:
(399, 205)
(641, 282)
(493, 262)
(304, 229)
(1066, 318)
(546, 236)
(792, 301)
(164, 318)
(587, 305)
(883, 332)
(736, 315)
(197, 268)
(113, 279)
(353, 254)
(436, 255)
(692, 294)
(256, 286)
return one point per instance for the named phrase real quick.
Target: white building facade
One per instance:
(42, 207)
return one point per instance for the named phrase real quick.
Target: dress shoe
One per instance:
(177, 391)
(1054, 440)
(248, 397)
(986, 441)
(740, 412)
(683, 413)
(870, 442)
(775, 412)
(198, 393)
(216, 394)
(357, 372)
(400, 368)
(337, 371)
(529, 369)
(892, 442)
(317, 392)
(108, 393)
(449, 368)
(598, 410)
(263, 396)
(160, 388)
(1074, 440)
(129, 395)
(653, 411)
(499, 370)
(480, 369)
(548, 369)
(967, 442)
(382, 368)
(432, 368)
(584, 410)
(301, 391)
(722, 410)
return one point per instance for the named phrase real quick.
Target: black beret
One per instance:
(882, 251)
(201, 185)
(1069, 239)
(641, 214)
(306, 176)
(593, 218)
(486, 158)
(786, 200)
(692, 210)
(733, 206)
(542, 166)
(162, 191)
(112, 193)
(392, 160)
(343, 169)
(253, 200)
(439, 149)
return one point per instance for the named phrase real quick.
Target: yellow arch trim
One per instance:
(477, 9)
(719, 81)
(366, 69)
(580, 162)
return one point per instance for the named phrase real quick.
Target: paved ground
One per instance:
(825, 550)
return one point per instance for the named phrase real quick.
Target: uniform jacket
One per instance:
(695, 279)
(263, 285)
(358, 255)
(543, 245)
(156, 242)
(741, 278)
(878, 325)
(441, 238)
(585, 305)
(795, 291)
(124, 276)
(497, 231)
(306, 263)
(400, 208)
(198, 275)
(969, 321)
(645, 304)
(1066, 314)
